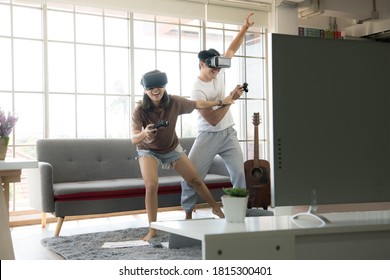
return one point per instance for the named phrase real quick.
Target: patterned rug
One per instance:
(89, 247)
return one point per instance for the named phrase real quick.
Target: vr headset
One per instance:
(218, 62)
(154, 79)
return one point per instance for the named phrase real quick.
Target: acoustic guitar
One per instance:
(257, 174)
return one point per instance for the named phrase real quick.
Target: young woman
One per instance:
(161, 145)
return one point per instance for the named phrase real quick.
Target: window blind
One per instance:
(231, 12)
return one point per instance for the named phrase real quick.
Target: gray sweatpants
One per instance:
(206, 146)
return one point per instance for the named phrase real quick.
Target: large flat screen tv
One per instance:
(330, 121)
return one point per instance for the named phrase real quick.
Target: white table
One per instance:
(352, 235)
(10, 171)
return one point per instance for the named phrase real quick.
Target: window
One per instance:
(74, 72)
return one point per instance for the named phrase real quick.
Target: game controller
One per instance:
(162, 123)
(245, 87)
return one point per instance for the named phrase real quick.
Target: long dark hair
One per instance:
(147, 104)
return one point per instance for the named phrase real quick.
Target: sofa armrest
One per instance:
(40, 184)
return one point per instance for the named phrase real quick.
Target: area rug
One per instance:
(89, 247)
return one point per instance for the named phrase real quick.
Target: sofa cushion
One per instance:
(119, 188)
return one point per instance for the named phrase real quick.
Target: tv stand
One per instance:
(311, 213)
(352, 235)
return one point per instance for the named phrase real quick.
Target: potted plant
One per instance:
(7, 123)
(235, 202)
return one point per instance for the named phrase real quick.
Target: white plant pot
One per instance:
(234, 208)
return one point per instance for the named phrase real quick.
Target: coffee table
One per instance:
(349, 235)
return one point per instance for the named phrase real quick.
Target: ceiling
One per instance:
(357, 18)
(368, 19)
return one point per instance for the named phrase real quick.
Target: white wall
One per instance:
(286, 20)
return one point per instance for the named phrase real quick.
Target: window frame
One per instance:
(242, 110)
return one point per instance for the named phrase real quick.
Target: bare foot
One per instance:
(188, 215)
(151, 234)
(217, 211)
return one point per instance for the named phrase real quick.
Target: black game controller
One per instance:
(162, 123)
(245, 87)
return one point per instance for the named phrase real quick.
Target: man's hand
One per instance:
(237, 92)
(237, 41)
(247, 23)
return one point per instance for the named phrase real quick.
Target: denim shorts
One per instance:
(166, 160)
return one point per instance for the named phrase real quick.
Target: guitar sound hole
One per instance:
(257, 173)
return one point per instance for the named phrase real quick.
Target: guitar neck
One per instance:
(256, 147)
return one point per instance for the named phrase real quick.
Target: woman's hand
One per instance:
(150, 132)
(228, 100)
(147, 134)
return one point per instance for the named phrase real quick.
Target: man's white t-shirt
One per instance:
(211, 91)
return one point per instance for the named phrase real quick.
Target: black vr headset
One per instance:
(218, 62)
(154, 79)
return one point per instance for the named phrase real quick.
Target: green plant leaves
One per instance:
(239, 192)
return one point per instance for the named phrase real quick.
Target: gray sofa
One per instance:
(96, 176)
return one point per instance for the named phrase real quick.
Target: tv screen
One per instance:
(330, 120)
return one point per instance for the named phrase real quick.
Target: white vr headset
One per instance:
(218, 62)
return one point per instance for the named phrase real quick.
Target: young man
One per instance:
(216, 135)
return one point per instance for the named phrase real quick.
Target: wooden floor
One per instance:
(27, 239)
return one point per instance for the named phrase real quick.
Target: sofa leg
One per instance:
(43, 219)
(60, 221)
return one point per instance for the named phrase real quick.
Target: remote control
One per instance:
(245, 87)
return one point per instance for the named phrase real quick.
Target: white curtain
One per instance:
(234, 15)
